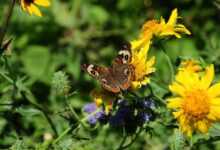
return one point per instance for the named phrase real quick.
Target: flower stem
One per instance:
(62, 135)
(133, 140)
(6, 21)
(170, 66)
(6, 77)
(74, 114)
(123, 140)
(31, 99)
(156, 96)
(169, 62)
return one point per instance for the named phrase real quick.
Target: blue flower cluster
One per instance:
(133, 114)
(94, 114)
(126, 114)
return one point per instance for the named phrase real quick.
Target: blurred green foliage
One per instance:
(73, 32)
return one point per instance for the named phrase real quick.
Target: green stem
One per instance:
(8, 67)
(28, 95)
(156, 96)
(76, 117)
(133, 140)
(123, 140)
(170, 66)
(62, 135)
(7, 78)
(73, 112)
(169, 63)
(6, 21)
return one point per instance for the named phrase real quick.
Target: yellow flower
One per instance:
(190, 65)
(30, 6)
(196, 101)
(172, 27)
(142, 66)
(161, 28)
(102, 97)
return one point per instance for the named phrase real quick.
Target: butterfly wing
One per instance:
(123, 72)
(124, 75)
(118, 76)
(103, 75)
(124, 55)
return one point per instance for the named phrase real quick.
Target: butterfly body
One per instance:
(117, 77)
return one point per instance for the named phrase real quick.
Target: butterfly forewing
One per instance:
(103, 75)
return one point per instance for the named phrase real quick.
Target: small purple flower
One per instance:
(102, 117)
(143, 117)
(89, 108)
(92, 120)
(147, 103)
(99, 114)
(94, 114)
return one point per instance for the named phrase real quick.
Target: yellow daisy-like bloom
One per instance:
(103, 98)
(30, 6)
(142, 66)
(140, 47)
(196, 102)
(190, 65)
(161, 28)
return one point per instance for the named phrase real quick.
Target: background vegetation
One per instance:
(73, 32)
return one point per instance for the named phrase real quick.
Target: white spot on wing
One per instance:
(90, 68)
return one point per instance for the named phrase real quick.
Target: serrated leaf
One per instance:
(178, 140)
(18, 145)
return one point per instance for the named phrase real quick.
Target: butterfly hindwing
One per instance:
(103, 75)
(124, 74)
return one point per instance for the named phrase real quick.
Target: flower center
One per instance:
(196, 105)
(28, 2)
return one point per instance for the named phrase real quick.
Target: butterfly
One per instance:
(118, 76)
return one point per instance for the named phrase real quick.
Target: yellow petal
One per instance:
(208, 77)
(23, 5)
(173, 17)
(214, 113)
(212, 116)
(33, 9)
(189, 132)
(98, 101)
(202, 126)
(188, 79)
(170, 32)
(29, 9)
(174, 102)
(135, 85)
(214, 90)
(182, 29)
(215, 102)
(177, 89)
(44, 3)
(177, 114)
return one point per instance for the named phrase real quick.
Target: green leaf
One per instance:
(98, 15)
(178, 140)
(36, 60)
(18, 145)
(215, 130)
(30, 111)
